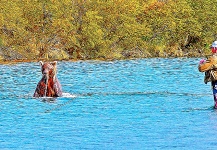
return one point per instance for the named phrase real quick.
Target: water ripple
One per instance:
(131, 104)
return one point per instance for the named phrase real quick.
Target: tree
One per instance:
(173, 24)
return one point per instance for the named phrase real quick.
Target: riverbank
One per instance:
(75, 60)
(90, 30)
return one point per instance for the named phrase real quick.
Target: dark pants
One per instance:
(214, 89)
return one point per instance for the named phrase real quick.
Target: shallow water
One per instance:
(132, 104)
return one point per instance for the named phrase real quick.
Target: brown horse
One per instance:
(49, 85)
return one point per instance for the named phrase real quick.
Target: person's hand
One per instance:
(202, 61)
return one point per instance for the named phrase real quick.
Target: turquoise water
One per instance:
(134, 104)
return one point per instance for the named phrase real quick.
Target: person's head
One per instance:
(214, 47)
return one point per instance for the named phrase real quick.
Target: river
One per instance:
(131, 104)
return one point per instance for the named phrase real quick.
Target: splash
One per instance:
(68, 95)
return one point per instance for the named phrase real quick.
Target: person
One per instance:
(209, 66)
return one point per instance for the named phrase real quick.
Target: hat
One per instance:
(214, 44)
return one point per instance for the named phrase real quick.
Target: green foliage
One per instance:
(114, 29)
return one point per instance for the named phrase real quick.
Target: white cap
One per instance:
(214, 44)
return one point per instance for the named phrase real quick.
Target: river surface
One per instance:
(118, 105)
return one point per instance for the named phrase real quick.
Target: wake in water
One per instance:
(166, 93)
(64, 95)
(53, 99)
(29, 96)
(69, 98)
(68, 95)
(200, 109)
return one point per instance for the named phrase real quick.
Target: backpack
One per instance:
(211, 75)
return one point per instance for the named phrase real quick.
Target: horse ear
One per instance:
(41, 63)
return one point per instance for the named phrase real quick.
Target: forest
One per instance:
(105, 29)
